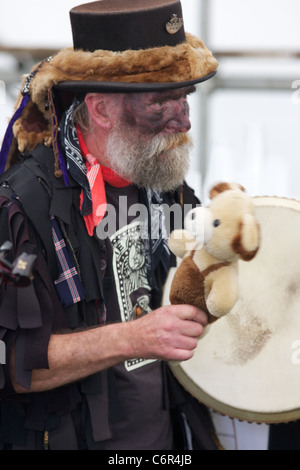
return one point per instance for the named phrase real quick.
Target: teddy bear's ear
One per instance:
(221, 187)
(246, 242)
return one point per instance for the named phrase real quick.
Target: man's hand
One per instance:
(168, 333)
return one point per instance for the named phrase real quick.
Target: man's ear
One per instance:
(97, 106)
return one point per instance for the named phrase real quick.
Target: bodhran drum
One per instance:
(247, 365)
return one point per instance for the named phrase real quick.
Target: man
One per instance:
(99, 128)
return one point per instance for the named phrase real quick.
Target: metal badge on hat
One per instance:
(174, 25)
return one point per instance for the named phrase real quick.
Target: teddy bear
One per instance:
(212, 242)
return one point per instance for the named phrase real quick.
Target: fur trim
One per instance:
(31, 129)
(187, 61)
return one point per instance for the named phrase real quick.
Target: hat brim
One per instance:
(124, 87)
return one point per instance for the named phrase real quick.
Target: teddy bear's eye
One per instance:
(216, 223)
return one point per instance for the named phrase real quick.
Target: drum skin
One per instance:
(247, 364)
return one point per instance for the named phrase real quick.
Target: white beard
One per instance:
(161, 164)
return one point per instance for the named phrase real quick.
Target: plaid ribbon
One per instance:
(68, 284)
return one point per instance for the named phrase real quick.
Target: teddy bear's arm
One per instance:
(188, 285)
(222, 290)
(181, 242)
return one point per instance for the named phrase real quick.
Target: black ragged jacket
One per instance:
(67, 417)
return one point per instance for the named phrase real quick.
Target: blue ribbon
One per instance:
(8, 137)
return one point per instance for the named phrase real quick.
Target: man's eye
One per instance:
(157, 106)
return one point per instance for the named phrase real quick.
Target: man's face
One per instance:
(159, 113)
(149, 145)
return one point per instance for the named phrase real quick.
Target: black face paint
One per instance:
(153, 113)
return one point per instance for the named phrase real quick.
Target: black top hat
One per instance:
(118, 25)
(125, 45)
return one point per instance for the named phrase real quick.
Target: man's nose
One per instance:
(179, 117)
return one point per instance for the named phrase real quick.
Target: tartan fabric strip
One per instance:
(68, 284)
